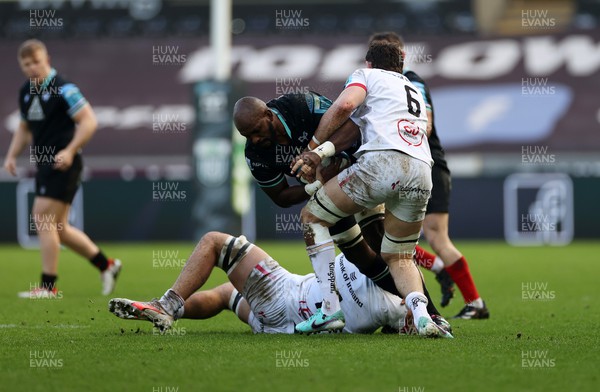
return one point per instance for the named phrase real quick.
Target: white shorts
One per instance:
(392, 177)
(265, 290)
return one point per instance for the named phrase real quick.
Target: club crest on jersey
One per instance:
(410, 133)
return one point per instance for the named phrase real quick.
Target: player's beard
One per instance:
(268, 143)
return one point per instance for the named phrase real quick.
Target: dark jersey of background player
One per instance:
(48, 109)
(440, 167)
(437, 152)
(300, 115)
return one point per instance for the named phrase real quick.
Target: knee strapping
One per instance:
(348, 238)
(321, 237)
(370, 215)
(405, 246)
(322, 207)
(234, 301)
(232, 252)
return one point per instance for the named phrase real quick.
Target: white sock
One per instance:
(417, 302)
(438, 265)
(322, 257)
(478, 303)
(172, 303)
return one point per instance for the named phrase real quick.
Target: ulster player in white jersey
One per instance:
(261, 292)
(393, 167)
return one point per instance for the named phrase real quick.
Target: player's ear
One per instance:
(269, 114)
(369, 65)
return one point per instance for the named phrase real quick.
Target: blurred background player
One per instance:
(393, 167)
(60, 121)
(435, 225)
(262, 293)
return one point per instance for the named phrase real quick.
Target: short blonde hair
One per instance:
(29, 47)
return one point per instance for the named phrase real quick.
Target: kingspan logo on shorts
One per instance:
(168, 191)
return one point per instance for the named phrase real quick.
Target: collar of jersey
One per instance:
(46, 82)
(287, 129)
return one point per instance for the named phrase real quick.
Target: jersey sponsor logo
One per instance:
(304, 137)
(410, 133)
(348, 280)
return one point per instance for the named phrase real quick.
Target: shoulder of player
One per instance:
(288, 101)
(24, 88)
(414, 77)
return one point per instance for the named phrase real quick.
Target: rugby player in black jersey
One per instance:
(435, 225)
(57, 121)
(278, 131)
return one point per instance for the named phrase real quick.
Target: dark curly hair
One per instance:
(385, 55)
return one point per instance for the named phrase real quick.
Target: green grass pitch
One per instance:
(543, 334)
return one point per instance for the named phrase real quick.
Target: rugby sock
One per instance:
(417, 302)
(100, 261)
(172, 303)
(460, 274)
(322, 257)
(438, 265)
(379, 273)
(48, 281)
(424, 258)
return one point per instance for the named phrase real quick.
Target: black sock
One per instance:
(100, 261)
(48, 281)
(431, 309)
(379, 273)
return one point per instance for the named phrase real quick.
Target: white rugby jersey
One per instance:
(366, 306)
(393, 115)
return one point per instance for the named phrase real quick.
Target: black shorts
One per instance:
(440, 194)
(59, 185)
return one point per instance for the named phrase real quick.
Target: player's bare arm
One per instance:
(20, 139)
(429, 122)
(286, 196)
(332, 120)
(86, 125)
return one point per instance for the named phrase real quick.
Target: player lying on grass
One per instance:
(262, 293)
(279, 130)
